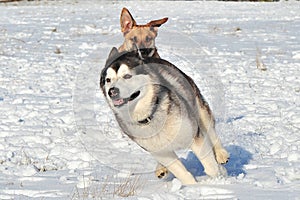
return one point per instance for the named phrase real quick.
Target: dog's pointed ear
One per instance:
(158, 22)
(126, 20)
(114, 51)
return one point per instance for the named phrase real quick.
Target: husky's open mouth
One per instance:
(121, 101)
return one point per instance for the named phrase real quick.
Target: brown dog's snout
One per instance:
(142, 45)
(113, 92)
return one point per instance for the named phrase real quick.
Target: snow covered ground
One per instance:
(59, 139)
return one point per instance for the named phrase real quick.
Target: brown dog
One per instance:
(139, 36)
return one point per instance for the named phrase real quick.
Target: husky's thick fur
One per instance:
(139, 36)
(162, 110)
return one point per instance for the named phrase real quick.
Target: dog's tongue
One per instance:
(118, 102)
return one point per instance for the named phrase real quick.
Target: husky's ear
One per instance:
(113, 52)
(126, 20)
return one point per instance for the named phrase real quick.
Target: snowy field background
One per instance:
(59, 140)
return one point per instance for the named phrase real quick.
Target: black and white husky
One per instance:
(162, 110)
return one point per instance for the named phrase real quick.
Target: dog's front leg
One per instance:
(180, 172)
(175, 166)
(161, 171)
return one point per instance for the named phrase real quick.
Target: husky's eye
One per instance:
(108, 80)
(127, 76)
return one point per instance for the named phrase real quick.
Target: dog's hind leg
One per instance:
(222, 156)
(202, 148)
(207, 123)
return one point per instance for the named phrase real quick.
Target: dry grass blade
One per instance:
(129, 187)
(259, 63)
(109, 189)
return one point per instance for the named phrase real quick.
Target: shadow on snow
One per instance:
(238, 158)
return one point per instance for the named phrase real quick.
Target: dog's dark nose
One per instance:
(142, 46)
(113, 92)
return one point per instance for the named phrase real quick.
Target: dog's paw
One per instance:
(161, 172)
(222, 156)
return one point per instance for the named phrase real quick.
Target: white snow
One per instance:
(59, 139)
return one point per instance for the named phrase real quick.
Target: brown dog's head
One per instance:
(138, 36)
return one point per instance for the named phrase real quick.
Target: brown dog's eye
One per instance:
(127, 76)
(108, 80)
(148, 38)
(134, 39)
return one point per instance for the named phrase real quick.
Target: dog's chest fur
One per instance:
(167, 129)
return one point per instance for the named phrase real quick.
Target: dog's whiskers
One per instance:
(139, 52)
